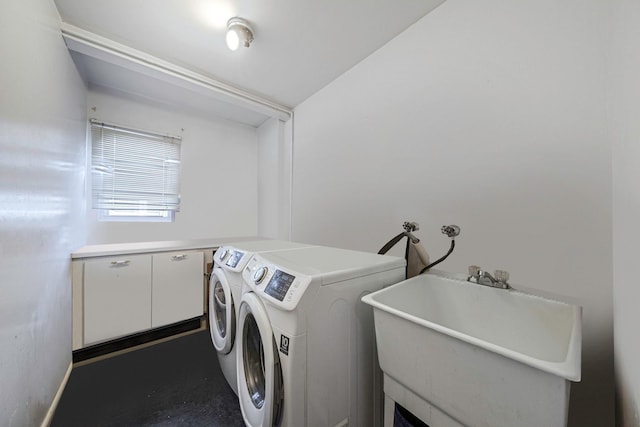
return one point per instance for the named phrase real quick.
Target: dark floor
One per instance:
(176, 383)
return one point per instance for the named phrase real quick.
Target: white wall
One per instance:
(42, 125)
(274, 179)
(218, 176)
(490, 115)
(624, 103)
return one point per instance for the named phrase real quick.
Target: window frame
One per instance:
(127, 181)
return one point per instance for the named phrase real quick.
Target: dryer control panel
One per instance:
(279, 284)
(281, 288)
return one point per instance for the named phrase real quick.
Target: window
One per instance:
(135, 174)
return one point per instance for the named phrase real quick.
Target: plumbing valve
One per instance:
(410, 226)
(450, 230)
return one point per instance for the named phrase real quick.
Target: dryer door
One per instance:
(260, 389)
(222, 316)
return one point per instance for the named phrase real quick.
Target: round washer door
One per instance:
(260, 390)
(222, 316)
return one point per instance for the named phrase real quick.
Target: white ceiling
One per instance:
(299, 47)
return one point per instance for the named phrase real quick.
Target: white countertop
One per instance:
(159, 246)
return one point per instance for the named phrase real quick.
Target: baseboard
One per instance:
(135, 341)
(56, 399)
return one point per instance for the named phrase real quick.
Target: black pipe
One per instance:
(453, 245)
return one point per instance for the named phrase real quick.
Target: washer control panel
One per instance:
(234, 259)
(230, 258)
(283, 288)
(221, 255)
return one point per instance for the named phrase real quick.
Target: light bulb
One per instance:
(238, 33)
(233, 40)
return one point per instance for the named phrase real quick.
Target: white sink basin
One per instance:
(458, 353)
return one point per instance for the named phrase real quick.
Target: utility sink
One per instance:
(457, 353)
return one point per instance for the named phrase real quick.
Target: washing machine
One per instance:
(306, 352)
(224, 296)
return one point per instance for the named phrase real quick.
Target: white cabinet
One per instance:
(119, 296)
(116, 297)
(177, 293)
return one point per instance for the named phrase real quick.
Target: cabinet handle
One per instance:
(120, 263)
(179, 257)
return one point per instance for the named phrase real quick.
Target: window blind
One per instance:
(134, 170)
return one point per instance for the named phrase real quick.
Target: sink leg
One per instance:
(389, 410)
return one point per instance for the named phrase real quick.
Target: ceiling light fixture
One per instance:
(239, 32)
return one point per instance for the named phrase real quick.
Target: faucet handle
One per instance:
(474, 270)
(501, 276)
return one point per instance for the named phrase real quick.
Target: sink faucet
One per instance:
(482, 277)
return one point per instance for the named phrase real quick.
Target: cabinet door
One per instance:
(117, 297)
(178, 287)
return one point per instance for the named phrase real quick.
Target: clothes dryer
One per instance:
(224, 296)
(306, 352)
